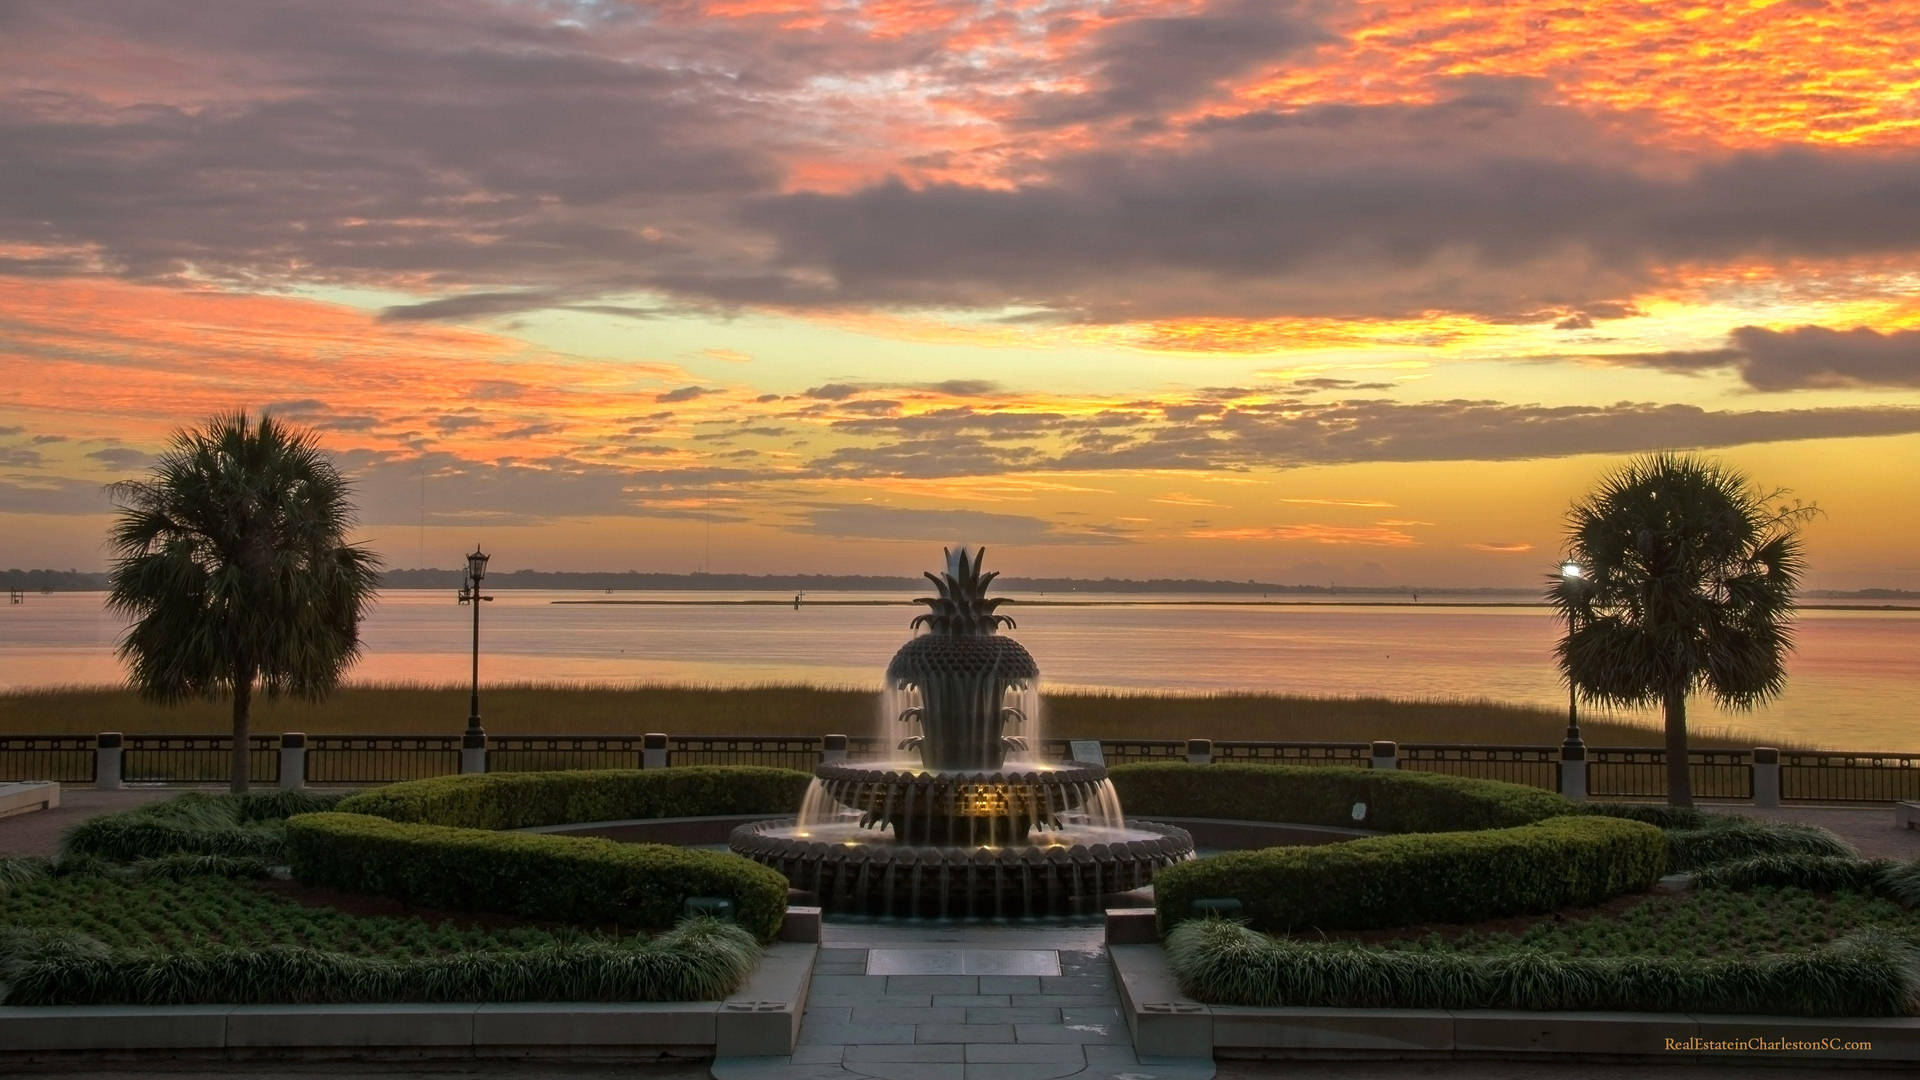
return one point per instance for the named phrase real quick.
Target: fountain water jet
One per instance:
(970, 820)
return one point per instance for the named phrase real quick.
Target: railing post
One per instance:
(1199, 751)
(473, 752)
(1766, 776)
(653, 750)
(1386, 754)
(1573, 773)
(833, 748)
(293, 760)
(106, 761)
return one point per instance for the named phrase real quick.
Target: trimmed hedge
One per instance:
(1394, 800)
(1870, 974)
(238, 826)
(697, 960)
(521, 800)
(565, 878)
(1452, 877)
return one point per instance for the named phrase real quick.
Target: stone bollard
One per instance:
(1386, 754)
(833, 748)
(1766, 776)
(473, 754)
(1199, 751)
(1573, 773)
(293, 760)
(106, 761)
(653, 750)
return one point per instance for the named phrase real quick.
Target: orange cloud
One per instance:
(1369, 536)
(1502, 548)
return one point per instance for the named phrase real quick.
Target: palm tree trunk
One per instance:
(1679, 780)
(242, 733)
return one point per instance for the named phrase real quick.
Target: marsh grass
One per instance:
(536, 708)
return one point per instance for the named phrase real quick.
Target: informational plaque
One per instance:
(1087, 750)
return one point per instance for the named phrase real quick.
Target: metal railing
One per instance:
(69, 759)
(1354, 754)
(1842, 776)
(1640, 772)
(196, 759)
(779, 751)
(380, 759)
(1537, 766)
(1612, 772)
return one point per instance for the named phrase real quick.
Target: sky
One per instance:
(1354, 291)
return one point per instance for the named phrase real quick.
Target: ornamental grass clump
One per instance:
(700, 959)
(1818, 873)
(242, 826)
(1871, 973)
(20, 869)
(1730, 838)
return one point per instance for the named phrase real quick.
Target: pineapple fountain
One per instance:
(966, 818)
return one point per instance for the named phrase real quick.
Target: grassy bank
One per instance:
(534, 708)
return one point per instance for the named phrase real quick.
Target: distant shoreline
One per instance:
(1018, 602)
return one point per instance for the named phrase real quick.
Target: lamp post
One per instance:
(1574, 748)
(476, 736)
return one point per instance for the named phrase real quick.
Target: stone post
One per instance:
(106, 761)
(653, 750)
(473, 752)
(1199, 751)
(293, 760)
(1766, 776)
(1386, 754)
(833, 748)
(1573, 772)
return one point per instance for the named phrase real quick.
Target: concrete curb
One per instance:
(27, 797)
(1165, 1022)
(762, 1017)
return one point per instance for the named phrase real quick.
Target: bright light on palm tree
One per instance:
(232, 561)
(1686, 576)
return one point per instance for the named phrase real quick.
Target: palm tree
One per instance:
(231, 560)
(1688, 575)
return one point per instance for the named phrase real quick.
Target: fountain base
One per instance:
(850, 868)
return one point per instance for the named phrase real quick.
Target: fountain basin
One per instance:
(849, 868)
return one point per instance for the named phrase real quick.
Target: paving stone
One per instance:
(892, 1014)
(974, 1000)
(1027, 1052)
(1078, 1033)
(834, 956)
(1018, 1070)
(854, 1034)
(774, 1068)
(818, 1055)
(1027, 1015)
(856, 1000)
(1090, 1014)
(1109, 1054)
(963, 1033)
(841, 967)
(827, 1014)
(1075, 984)
(1011, 984)
(850, 985)
(1063, 1001)
(912, 1070)
(1012, 962)
(1084, 962)
(932, 984)
(917, 962)
(949, 1052)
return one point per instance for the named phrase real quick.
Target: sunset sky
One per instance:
(1329, 290)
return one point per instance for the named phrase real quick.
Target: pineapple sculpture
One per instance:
(963, 670)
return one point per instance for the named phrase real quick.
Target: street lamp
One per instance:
(476, 737)
(1574, 748)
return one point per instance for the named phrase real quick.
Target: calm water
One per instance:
(1855, 679)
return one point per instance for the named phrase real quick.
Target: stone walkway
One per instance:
(974, 1003)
